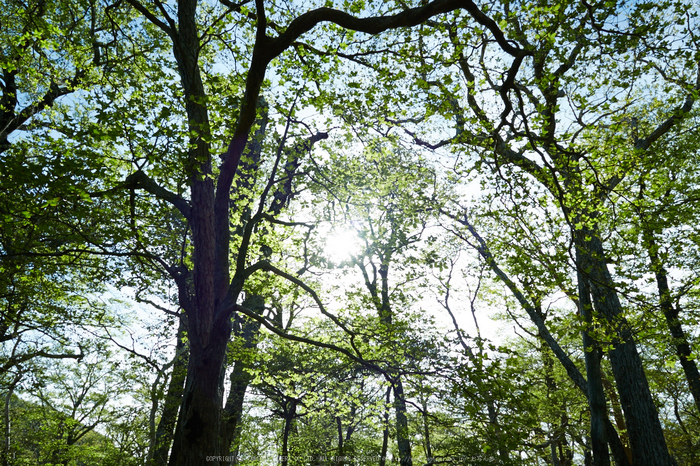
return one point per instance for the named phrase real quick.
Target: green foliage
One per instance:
(568, 117)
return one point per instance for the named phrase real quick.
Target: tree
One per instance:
(380, 195)
(533, 61)
(62, 408)
(209, 289)
(123, 182)
(49, 50)
(665, 189)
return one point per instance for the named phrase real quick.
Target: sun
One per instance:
(341, 245)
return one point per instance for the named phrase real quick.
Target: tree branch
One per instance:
(483, 250)
(139, 180)
(267, 48)
(277, 331)
(14, 361)
(270, 268)
(153, 18)
(677, 116)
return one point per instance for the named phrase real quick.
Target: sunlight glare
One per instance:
(341, 245)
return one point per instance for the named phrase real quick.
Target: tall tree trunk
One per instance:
(385, 433)
(158, 455)
(592, 355)
(402, 440)
(617, 414)
(426, 432)
(680, 341)
(240, 379)
(646, 436)
(197, 439)
(290, 411)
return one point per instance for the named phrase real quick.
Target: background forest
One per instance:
(349, 232)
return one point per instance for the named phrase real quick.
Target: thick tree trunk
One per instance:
(646, 436)
(158, 456)
(592, 355)
(197, 439)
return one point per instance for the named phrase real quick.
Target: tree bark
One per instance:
(158, 455)
(671, 312)
(592, 355)
(646, 436)
(240, 378)
(197, 434)
(402, 439)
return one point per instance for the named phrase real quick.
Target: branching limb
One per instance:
(270, 268)
(40, 354)
(266, 49)
(139, 180)
(663, 128)
(536, 317)
(288, 336)
(170, 31)
(673, 120)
